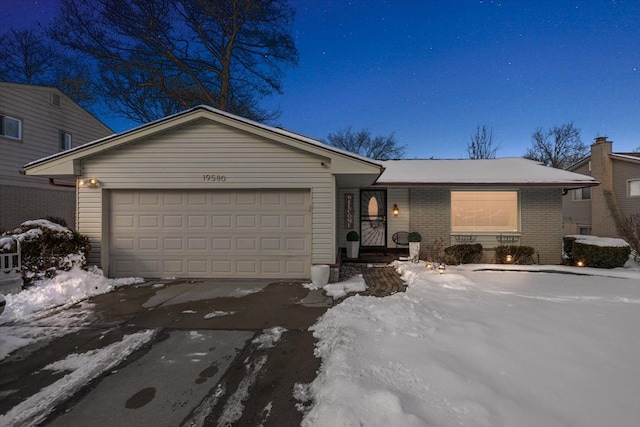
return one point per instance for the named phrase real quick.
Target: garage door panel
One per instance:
(210, 233)
(197, 222)
(296, 222)
(221, 221)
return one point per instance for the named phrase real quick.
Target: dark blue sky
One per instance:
(430, 71)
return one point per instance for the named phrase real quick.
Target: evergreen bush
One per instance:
(46, 248)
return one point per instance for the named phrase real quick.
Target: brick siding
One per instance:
(19, 204)
(541, 221)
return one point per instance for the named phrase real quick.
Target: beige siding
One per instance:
(576, 213)
(32, 197)
(622, 172)
(41, 126)
(180, 159)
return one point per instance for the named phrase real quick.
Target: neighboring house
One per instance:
(586, 210)
(205, 193)
(38, 121)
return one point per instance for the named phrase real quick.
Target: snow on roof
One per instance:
(505, 171)
(277, 130)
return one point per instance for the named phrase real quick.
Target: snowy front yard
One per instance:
(484, 348)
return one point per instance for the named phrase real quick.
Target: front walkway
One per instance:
(382, 281)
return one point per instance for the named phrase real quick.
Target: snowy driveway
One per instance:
(162, 353)
(484, 348)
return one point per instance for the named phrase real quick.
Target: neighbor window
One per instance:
(584, 230)
(582, 194)
(65, 141)
(634, 187)
(484, 211)
(10, 127)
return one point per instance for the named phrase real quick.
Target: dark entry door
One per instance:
(373, 218)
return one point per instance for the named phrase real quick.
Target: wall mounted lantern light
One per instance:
(396, 211)
(90, 182)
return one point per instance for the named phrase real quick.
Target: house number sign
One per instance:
(348, 210)
(214, 178)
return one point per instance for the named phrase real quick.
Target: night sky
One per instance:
(430, 71)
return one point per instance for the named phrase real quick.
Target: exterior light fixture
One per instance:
(396, 211)
(441, 268)
(429, 265)
(580, 263)
(509, 259)
(91, 183)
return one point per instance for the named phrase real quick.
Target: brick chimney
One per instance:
(602, 171)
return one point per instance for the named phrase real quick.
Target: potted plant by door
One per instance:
(353, 244)
(414, 245)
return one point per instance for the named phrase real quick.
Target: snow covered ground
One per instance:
(45, 304)
(483, 348)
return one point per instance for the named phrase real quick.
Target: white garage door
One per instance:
(177, 233)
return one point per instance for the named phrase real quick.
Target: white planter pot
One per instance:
(414, 250)
(353, 248)
(320, 275)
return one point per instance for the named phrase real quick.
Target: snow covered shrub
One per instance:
(567, 249)
(46, 248)
(519, 254)
(463, 254)
(597, 254)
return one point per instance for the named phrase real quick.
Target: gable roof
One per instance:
(67, 162)
(15, 87)
(485, 172)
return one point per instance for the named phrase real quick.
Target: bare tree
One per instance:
(364, 144)
(481, 144)
(558, 147)
(27, 57)
(157, 57)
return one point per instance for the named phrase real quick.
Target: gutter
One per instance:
(52, 181)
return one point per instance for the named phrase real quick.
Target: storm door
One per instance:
(373, 217)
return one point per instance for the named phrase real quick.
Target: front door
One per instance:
(373, 218)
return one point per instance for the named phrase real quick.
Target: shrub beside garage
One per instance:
(46, 247)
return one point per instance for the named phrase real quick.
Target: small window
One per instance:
(65, 141)
(55, 99)
(584, 230)
(634, 187)
(582, 194)
(10, 127)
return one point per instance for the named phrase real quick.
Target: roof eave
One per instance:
(571, 184)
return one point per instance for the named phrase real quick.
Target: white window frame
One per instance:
(579, 193)
(65, 141)
(512, 225)
(633, 187)
(3, 120)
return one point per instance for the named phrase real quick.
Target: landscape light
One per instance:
(580, 263)
(509, 259)
(441, 268)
